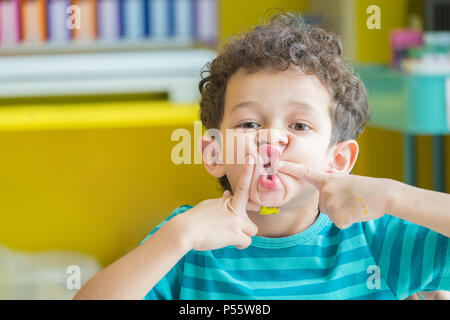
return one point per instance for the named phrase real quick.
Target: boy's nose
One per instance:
(269, 154)
(273, 137)
(271, 144)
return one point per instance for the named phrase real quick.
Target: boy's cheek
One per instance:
(237, 146)
(233, 173)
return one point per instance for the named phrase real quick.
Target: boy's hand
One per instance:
(346, 199)
(217, 223)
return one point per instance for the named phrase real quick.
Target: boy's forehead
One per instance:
(276, 87)
(293, 77)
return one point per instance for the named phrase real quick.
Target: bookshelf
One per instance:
(104, 47)
(43, 25)
(175, 72)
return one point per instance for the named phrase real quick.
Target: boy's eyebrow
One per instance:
(300, 104)
(243, 104)
(305, 106)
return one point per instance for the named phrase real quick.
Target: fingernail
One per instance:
(280, 164)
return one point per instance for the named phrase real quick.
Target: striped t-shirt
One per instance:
(387, 258)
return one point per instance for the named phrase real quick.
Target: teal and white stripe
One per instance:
(322, 262)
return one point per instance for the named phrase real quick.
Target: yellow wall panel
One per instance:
(424, 151)
(381, 150)
(373, 45)
(96, 191)
(238, 16)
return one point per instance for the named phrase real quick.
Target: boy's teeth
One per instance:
(269, 155)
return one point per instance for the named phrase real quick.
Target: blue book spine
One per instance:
(158, 16)
(121, 18)
(194, 18)
(108, 19)
(183, 17)
(146, 18)
(133, 16)
(171, 18)
(57, 16)
(148, 25)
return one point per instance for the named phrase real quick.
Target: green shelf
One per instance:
(413, 104)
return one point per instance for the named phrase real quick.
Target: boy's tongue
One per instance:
(270, 154)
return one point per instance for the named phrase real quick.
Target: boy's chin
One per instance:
(274, 198)
(279, 197)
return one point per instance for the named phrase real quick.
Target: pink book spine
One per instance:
(9, 22)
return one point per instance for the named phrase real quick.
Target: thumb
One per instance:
(240, 197)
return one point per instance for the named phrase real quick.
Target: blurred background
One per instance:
(91, 91)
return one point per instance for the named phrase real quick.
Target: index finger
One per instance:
(240, 197)
(313, 176)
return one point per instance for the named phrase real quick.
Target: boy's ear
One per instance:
(343, 157)
(212, 156)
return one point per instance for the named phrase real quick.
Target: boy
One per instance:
(295, 109)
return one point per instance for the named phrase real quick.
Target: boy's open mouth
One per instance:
(268, 167)
(270, 154)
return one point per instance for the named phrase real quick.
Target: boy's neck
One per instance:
(288, 222)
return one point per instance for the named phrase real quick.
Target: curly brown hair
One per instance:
(285, 40)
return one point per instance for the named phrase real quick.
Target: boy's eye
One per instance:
(248, 125)
(300, 126)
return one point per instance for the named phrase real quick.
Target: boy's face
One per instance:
(286, 110)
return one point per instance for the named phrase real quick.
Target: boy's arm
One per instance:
(412, 256)
(136, 273)
(348, 199)
(210, 225)
(427, 208)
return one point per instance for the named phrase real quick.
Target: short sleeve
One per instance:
(411, 258)
(168, 288)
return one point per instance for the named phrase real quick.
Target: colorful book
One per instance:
(400, 41)
(159, 18)
(206, 17)
(86, 30)
(34, 21)
(108, 19)
(60, 21)
(10, 28)
(133, 15)
(57, 28)
(184, 18)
